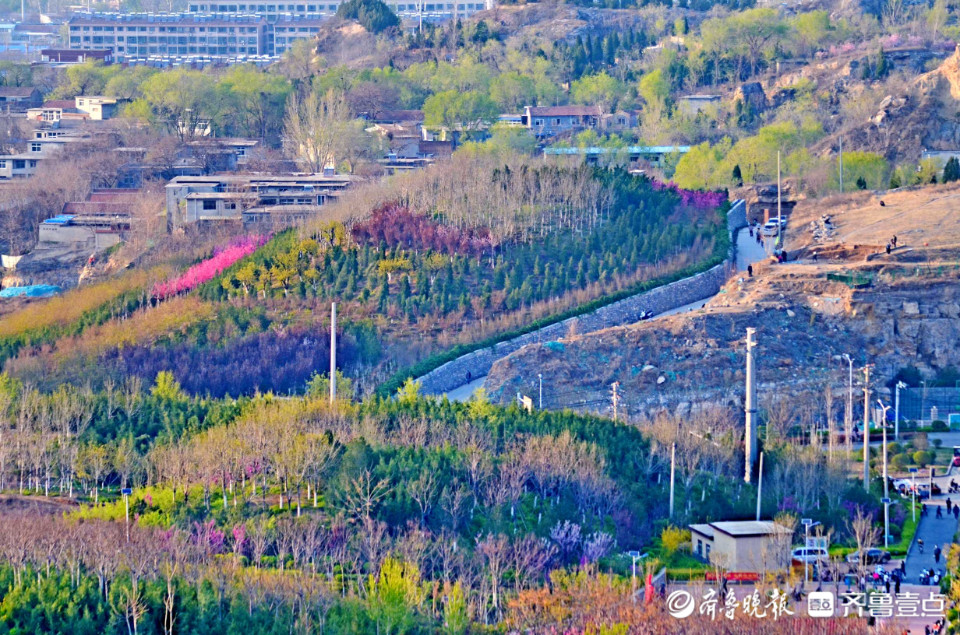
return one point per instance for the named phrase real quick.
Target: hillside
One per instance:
(410, 283)
(895, 311)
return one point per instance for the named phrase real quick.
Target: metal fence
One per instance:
(929, 403)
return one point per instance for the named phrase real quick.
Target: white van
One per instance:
(810, 555)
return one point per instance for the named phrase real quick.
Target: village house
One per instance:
(19, 98)
(554, 120)
(251, 199)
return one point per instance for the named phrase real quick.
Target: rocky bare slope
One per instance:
(807, 317)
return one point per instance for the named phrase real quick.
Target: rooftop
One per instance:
(566, 111)
(741, 528)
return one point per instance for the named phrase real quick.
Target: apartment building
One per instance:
(142, 36)
(274, 12)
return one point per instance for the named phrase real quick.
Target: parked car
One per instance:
(874, 556)
(810, 555)
(770, 228)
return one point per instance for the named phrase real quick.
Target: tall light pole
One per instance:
(849, 421)
(807, 524)
(540, 377)
(866, 427)
(750, 406)
(886, 481)
(896, 410)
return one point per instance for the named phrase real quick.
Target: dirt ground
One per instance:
(922, 217)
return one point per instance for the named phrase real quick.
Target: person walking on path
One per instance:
(936, 554)
(939, 511)
(949, 505)
(896, 585)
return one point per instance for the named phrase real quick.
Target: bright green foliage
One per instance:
(319, 386)
(167, 388)
(869, 167)
(452, 109)
(456, 617)
(395, 594)
(598, 90)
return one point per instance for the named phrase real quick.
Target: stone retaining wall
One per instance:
(698, 287)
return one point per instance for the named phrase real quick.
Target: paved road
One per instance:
(748, 252)
(934, 531)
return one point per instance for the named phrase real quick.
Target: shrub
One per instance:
(900, 461)
(940, 426)
(672, 538)
(922, 458)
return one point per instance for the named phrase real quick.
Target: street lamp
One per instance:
(913, 489)
(635, 556)
(540, 377)
(807, 524)
(886, 482)
(896, 410)
(849, 429)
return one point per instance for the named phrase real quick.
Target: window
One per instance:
(3, 164)
(36, 147)
(19, 164)
(32, 163)
(209, 204)
(699, 547)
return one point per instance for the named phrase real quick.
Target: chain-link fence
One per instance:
(929, 403)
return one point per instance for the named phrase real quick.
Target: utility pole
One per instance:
(673, 473)
(866, 427)
(616, 398)
(759, 485)
(779, 211)
(333, 353)
(750, 406)
(848, 425)
(896, 410)
(540, 377)
(886, 481)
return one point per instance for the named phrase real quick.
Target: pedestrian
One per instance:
(939, 511)
(903, 567)
(751, 231)
(949, 505)
(886, 585)
(894, 241)
(936, 554)
(896, 586)
(888, 249)
(750, 270)
(956, 512)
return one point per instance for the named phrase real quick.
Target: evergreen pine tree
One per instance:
(951, 171)
(737, 175)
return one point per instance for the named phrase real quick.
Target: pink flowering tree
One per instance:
(211, 267)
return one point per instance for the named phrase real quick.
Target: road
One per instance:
(748, 252)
